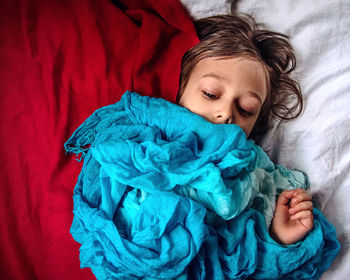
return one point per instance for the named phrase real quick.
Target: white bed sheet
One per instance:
(318, 142)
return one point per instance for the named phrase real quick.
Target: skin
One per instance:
(293, 217)
(232, 91)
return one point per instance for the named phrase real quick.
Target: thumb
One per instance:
(284, 198)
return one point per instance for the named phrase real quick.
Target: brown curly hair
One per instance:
(239, 35)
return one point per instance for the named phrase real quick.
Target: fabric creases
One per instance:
(164, 194)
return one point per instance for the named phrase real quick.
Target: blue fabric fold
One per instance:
(247, 250)
(164, 194)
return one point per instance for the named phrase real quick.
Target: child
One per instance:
(165, 194)
(240, 73)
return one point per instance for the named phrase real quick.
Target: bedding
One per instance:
(61, 60)
(164, 194)
(317, 142)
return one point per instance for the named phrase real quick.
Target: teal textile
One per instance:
(164, 194)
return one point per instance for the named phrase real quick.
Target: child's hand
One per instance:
(293, 216)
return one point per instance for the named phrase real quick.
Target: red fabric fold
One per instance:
(60, 61)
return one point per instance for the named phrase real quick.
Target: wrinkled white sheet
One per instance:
(318, 142)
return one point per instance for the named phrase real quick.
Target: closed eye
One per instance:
(210, 95)
(244, 112)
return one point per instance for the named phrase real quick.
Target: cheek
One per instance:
(245, 129)
(247, 125)
(200, 108)
(193, 102)
(185, 99)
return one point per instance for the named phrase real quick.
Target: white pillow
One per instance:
(200, 8)
(318, 142)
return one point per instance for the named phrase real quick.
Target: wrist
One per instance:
(281, 236)
(275, 237)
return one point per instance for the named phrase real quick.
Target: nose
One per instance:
(224, 117)
(222, 120)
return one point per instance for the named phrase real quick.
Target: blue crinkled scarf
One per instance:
(164, 194)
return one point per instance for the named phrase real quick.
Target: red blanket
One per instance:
(60, 61)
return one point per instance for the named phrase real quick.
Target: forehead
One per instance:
(247, 72)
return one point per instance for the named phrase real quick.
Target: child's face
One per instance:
(226, 90)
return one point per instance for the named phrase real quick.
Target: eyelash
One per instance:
(245, 112)
(242, 111)
(210, 95)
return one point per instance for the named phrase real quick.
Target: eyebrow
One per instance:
(253, 93)
(218, 77)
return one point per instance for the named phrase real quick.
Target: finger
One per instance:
(300, 196)
(305, 218)
(305, 215)
(285, 197)
(301, 206)
(291, 194)
(298, 190)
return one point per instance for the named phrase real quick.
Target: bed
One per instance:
(318, 141)
(61, 60)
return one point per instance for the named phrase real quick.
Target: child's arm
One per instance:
(293, 217)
